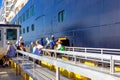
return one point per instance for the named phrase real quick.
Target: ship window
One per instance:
(32, 10)
(27, 14)
(20, 31)
(23, 30)
(32, 27)
(28, 29)
(16, 22)
(20, 19)
(23, 17)
(61, 16)
(11, 34)
(0, 35)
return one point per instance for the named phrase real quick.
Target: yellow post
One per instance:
(11, 64)
(30, 78)
(26, 76)
(70, 75)
(18, 69)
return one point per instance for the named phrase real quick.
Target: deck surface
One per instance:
(8, 73)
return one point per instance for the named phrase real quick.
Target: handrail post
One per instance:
(112, 65)
(73, 49)
(57, 73)
(85, 50)
(33, 66)
(23, 55)
(43, 53)
(55, 55)
(101, 52)
(75, 57)
(17, 54)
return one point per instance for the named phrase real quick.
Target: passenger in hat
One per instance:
(60, 47)
(19, 41)
(10, 50)
(52, 37)
(41, 42)
(59, 44)
(52, 42)
(10, 53)
(47, 45)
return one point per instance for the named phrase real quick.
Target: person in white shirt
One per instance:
(47, 43)
(39, 47)
(59, 45)
(18, 42)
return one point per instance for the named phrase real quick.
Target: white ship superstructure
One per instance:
(10, 8)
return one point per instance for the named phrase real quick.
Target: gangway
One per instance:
(92, 72)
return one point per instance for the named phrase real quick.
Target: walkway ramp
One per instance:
(9, 74)
(92, 72)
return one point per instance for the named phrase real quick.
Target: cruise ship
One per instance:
(92, 27)
(85, 23)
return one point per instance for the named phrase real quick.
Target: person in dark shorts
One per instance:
(9, 54)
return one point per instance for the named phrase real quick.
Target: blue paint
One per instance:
(88, 23)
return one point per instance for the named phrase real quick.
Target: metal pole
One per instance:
(57, 73)
(33, 67)
(112, 66)
(75, 57)
(23, 55)
(85, 50)
(17, 54)
(101, 51)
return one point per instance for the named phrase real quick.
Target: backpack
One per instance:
(62, 48)
(52, 44)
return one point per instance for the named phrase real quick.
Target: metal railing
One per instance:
(94, 50)
(102, 58)
(112, 60)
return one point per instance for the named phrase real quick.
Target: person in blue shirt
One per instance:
(10, 50)
(52, 42)
(9, 54)
(41, 42)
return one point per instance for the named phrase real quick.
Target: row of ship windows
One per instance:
(61, 16)
(26, 15)
(30, 12)
(60, 19)
(23, 30)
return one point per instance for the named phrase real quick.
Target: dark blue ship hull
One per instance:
(87, 23)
